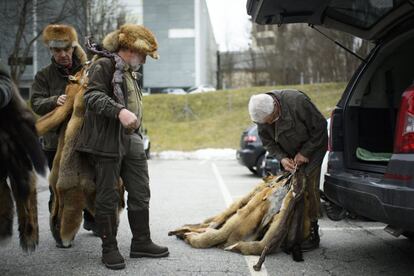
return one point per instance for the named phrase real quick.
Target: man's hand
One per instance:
(61, 99)
(288, 164)
(128, 119)
(300, 159)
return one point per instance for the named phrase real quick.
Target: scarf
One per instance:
(119, 68)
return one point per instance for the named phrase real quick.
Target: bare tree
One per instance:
(296, 52)
(23, 24)
(103, 16)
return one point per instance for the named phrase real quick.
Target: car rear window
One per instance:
(361, 14)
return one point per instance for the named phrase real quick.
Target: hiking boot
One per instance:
(312, 242)
(106, 226)
(141, 244)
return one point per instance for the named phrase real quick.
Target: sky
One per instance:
(231, 23)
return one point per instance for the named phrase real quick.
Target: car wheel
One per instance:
(334, 212)
(260, 166)
(252, 170)
(409, 235)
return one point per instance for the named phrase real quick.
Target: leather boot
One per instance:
(111, 257)
(312, 242)
(89, 222)
(142, 245)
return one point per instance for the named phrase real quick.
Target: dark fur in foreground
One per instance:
(20, 155)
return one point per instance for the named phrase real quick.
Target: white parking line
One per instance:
(362, 228)
(224, 191)
(250, 260)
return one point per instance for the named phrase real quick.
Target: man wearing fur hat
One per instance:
(294, 131)
(111, 136)
(48, 88)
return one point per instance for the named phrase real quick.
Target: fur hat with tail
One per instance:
(63, 36)
(134, 37)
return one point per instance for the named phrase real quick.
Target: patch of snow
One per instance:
(202, 154)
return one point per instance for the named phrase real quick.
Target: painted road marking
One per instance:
(362, 228)
(250, 260)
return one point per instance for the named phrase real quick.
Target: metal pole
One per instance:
(219, 84)
(34, 11)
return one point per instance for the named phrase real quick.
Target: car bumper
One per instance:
(247, 157)
(272, 166)
(372, 198)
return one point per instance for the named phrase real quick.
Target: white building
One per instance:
(187, 47)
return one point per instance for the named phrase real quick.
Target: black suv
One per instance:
(371, 159)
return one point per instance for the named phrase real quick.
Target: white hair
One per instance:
(260, 106)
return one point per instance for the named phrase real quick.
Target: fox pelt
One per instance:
(20, 156)
(272, 215)
(72, 176)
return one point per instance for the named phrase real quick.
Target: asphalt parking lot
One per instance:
(188, 191)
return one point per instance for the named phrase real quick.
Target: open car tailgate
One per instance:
(367, 19)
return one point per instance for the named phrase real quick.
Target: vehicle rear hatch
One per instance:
(369, 19)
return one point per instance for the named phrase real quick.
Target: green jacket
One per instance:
(48, 85)
(300, 128)
(102, 133)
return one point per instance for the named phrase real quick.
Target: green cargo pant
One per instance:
(133, 169)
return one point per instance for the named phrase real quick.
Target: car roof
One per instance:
(367, 19)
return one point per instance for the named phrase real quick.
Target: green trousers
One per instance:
(313, 195)
(132, 168)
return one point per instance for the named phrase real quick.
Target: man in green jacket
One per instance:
(294, 131)
(111, 137)
(48, 88)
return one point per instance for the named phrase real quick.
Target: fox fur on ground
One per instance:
(251, 223)
(72, 176)
(20, 156)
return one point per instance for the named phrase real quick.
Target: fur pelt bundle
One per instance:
(20, 155)
(271, 216)
(72, 176)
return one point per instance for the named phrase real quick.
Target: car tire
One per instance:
(409, 235)
(260, 166)
(334, 212)
(252, 170)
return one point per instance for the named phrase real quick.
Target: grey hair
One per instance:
(260, 106)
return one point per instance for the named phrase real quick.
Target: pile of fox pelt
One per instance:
(273, 215)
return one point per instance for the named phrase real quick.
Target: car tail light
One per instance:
(404, 133)
(336, 137)
(250, 138)
(330, 132)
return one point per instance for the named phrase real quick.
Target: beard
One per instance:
(135, 64)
